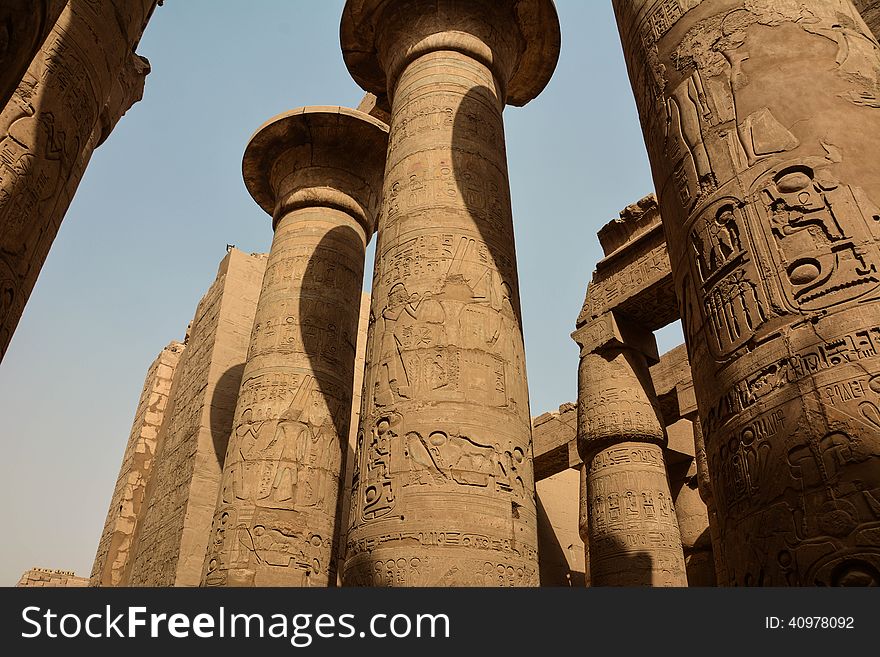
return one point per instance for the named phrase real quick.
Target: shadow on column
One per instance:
(328, 346)
(631, 568)
(39, 150)
(223, 410)
(486, 202)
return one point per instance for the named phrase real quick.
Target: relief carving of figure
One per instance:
(378, 491)
(823, 237)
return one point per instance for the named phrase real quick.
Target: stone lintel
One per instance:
(635, 279)
(671, 375)
(376, 106)
(635, 220)
(554, 435)
(610, 330)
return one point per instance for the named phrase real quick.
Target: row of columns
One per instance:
(443, 491)
(772, 233)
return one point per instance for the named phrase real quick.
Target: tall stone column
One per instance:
(584, 521)
(632, 528)
(762, 124)
(444, 494)
(24, 25)
(704, 486)
(318, 172)
(81, 81)
(870, 11)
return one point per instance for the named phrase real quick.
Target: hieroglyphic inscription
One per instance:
(774, 237)
(634, 536)
(48, 131)
(445, 422)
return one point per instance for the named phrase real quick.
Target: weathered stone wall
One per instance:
(46, 577)
(137, 467)
(173, 534)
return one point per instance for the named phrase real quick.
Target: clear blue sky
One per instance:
(164, 195)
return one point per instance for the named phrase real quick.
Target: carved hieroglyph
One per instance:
(318, 172)
(81, 81)
(762, 124)
(632, 527)
(114, 548)
(443, 491)
(24, 25)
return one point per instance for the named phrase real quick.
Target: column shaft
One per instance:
(317, 171)
(443, 492)
(56, 118)
(274, 524)
(24, 25)
(445, 454)
(632, 527)
(762, 124)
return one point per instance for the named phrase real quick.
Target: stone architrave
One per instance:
(870, 11)
(318, 172)
(24, 25)
(632, 527)
(443, 494)
(762, 125)
(134, 474)
(174, 527)
(81, 81)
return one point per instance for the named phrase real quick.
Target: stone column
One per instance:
(704, 486)
(870, 11)
(24, 25)
(762, 124)
(584, 521)
(631, 523)
(318, 172)
(444, 492)
(56, 118)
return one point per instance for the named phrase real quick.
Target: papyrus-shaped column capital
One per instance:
(318, 156)
(518, 41)
(318, 171)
